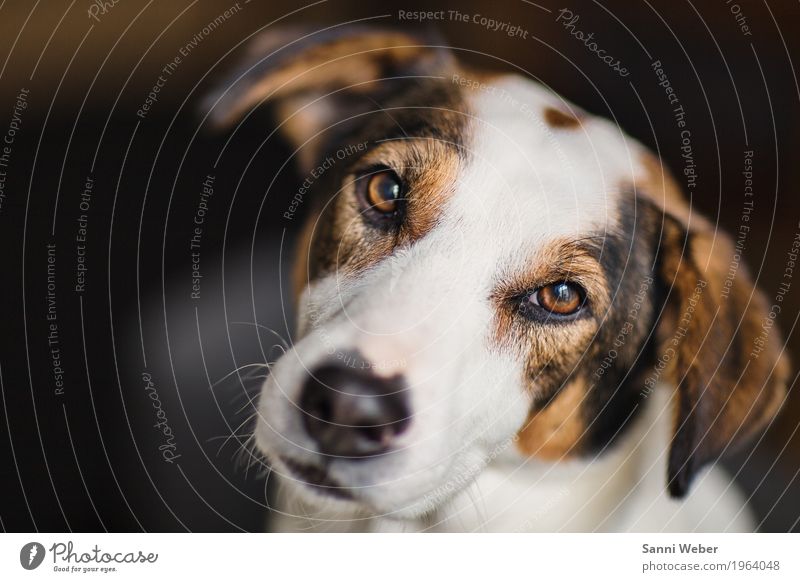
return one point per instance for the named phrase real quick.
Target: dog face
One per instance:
(485, 271)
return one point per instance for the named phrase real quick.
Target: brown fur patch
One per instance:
(550, 350)
(559, 119)
(725, 394)
(658, 185)
(705, 335)
(590, 362)
(345, 242)
(385, 95)
(325, 61)
(434, 171)
(555, 430)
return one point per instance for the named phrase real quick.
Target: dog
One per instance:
(508, 316)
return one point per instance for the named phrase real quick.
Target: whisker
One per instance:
(284, 342)
(234, 433)
(238, 369)
(251, 397)
(266, 488)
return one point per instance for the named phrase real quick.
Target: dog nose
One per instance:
(353, 413)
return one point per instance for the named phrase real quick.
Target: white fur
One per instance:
(622, 490)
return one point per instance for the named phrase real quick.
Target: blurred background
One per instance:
(125, 400)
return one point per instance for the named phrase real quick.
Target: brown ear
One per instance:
(716, 342)
(315, 77)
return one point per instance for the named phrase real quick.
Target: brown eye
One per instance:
(562, 298)
(383, 192)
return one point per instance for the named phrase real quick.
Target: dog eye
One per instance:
(383, 193)
(562, 298)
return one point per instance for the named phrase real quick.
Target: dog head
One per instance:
(484, 269)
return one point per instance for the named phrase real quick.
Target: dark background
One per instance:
(88, 459)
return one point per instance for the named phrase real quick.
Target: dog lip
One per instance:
(317, 478)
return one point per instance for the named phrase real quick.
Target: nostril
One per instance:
(383, 434)
(324, 411)
(376, 434)
(350, 413)
(320, 409)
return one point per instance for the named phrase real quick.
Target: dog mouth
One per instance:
(317, 478)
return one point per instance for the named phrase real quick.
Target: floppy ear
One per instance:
(316, 78)
(716, 342)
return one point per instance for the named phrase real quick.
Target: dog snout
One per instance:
(353, 413)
